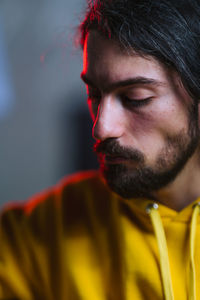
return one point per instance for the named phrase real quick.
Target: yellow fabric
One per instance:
(163, 252)
(80, 241)
(192, 283)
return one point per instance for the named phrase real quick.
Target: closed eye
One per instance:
(136, 102)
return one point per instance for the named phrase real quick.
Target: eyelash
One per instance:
(126, 100)
(137, 103)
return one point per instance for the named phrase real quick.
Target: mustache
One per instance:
(112, 147)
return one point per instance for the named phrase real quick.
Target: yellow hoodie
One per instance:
(80, 241)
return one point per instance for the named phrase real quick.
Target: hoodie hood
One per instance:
(160, 216)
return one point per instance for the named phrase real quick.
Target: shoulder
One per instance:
(71, 200)
(44, 235)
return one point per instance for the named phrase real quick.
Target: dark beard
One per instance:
(142, 180)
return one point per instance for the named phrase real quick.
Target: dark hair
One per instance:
(168, 30)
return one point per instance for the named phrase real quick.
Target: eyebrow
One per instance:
(124, 83)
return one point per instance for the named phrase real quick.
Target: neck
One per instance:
(184, 189)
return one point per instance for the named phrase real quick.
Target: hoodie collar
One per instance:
(141, 204)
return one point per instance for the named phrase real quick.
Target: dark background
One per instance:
(45, 127)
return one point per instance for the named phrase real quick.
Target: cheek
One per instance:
(140, 123)
(149, 127)
(168, 115)
(143, 132)
(171, 117)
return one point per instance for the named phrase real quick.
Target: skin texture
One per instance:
(145, 125)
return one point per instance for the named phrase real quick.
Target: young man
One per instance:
(132, 231)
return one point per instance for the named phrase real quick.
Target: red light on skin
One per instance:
(85, 59)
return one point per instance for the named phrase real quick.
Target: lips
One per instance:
(114, 159)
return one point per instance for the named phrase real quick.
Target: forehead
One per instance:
(105, 61)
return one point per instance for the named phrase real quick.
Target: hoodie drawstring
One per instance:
(192, 275)
(152, 210)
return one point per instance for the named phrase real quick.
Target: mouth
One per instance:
(114, 159)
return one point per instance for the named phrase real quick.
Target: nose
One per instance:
(109, 120)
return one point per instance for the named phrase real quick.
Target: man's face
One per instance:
(144, 122)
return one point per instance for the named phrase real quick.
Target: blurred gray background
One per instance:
(45, 128)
